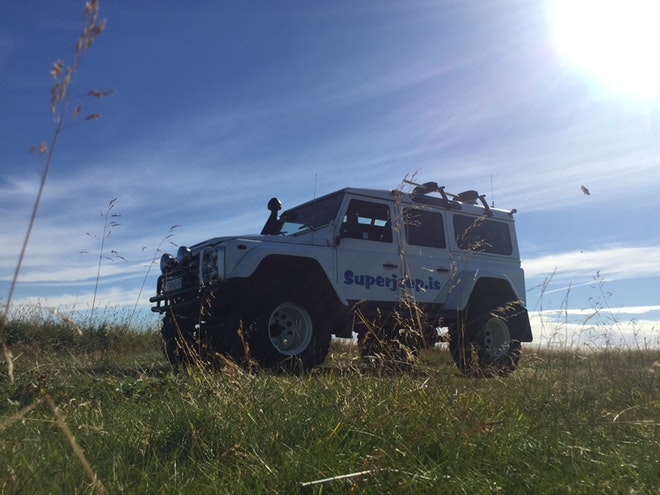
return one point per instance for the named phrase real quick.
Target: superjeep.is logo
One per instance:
(392, 282)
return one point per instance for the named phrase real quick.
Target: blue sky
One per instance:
(219, 106)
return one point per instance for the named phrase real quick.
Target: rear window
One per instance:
(482, 234)
(424, 228)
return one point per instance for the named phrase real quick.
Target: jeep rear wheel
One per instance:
(483, 344)
(289, 332)
(460, 347)
(497, 353)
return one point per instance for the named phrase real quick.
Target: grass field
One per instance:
(106, 406)
(99, 410)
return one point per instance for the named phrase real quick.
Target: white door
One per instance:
(368, 261)
(426, 260)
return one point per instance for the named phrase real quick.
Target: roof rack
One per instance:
(449, 200)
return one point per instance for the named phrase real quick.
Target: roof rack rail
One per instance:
(469, 197)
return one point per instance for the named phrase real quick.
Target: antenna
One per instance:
(492, 192)
(316, 178)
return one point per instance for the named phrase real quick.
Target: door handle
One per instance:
(442, 270)
(390, 265)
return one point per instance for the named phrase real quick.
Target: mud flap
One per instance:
(518, 317)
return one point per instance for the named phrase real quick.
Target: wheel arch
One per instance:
(501, 291)
(492, 287)
(277, 272)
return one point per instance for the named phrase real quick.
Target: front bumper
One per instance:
(166, 300)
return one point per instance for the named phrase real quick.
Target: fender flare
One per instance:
(464, 295)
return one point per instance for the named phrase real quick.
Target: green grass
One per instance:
(564, 422)
(102, 402)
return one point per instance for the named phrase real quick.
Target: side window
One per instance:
(368, 221)
(482, 234)
(424, 228)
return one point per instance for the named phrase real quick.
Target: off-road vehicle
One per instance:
(391, 267)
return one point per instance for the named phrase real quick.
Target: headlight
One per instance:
(183, 256)
(212, 265)
(167, 263)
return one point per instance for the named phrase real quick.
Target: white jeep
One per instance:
(392, 267)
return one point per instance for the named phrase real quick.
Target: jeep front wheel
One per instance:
(177, 341)
(290, 333)
(290, 329)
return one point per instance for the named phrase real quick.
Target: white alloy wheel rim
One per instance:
(290, 329)
(497, 339)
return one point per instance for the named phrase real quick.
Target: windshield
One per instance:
(310, 216)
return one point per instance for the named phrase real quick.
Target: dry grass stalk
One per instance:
(19, 414)
(108, 224)
(59, 106)
(60, 420)
(9, 359)
(363, 473)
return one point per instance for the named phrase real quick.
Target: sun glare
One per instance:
(615, 42)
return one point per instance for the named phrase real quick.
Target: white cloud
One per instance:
(587, 312)
(584, 328)
(612, 263)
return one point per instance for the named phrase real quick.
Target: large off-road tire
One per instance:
(460, 347)
(177, 341)
(482, 344)
(497, 352)
(288, 331)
